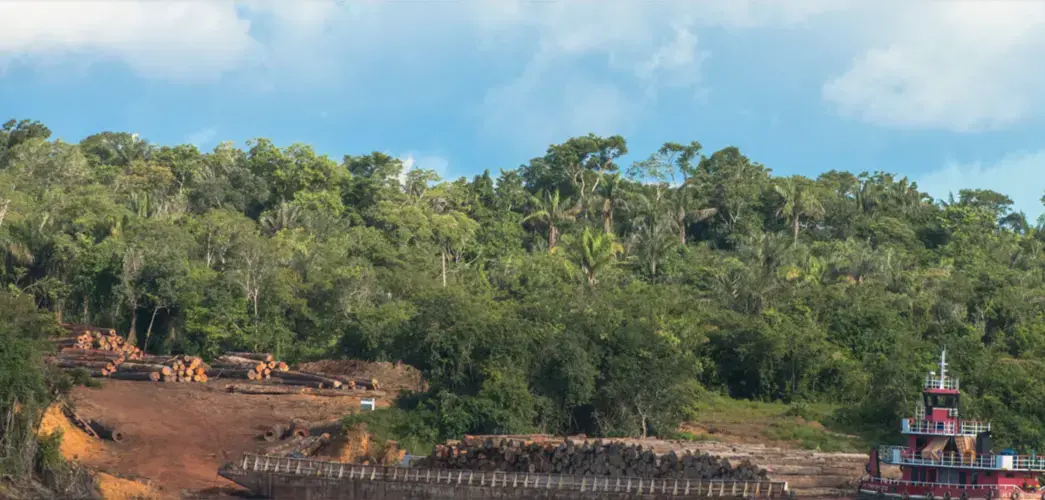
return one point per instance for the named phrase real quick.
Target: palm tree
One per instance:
(551, 212)
(684, 211)
(283, 216)
(797, 202)
(653, 236)
(612, 197)
(594, 253)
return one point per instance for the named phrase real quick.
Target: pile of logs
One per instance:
(301, 429)
(102, 339)
(584, 459)
(178, 368)
(103, 353)
(247, 365)
(329, 440)
(262, 366)
(301, 447)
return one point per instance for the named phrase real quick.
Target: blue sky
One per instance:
(946, 93)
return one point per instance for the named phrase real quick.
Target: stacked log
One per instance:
(107, 431)
(585, 459)
(91, 337)
(182, 368)
(98, 363)
(297, 429)
(300, 447)
(247, 365)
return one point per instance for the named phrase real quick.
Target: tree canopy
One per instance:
(569, 294)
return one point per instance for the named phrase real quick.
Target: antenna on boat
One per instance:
(943, 367)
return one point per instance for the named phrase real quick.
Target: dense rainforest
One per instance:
(575, 293)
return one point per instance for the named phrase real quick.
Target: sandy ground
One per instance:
(178, 435)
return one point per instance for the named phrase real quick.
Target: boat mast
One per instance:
(943, 367)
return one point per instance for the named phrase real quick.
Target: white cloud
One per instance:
(1017, 175)
(958, 66)
(175, 40)
(648, 45)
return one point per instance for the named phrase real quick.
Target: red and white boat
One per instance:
(948, 458)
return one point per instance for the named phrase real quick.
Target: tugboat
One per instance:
(947, 458)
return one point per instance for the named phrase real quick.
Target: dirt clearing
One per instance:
(178, 435)
(393, 377)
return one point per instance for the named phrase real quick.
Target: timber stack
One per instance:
(103, 353)
(247, 365)
(98, 338)
(584, 459)
(179, 368)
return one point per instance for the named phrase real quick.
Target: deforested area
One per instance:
(592, 290)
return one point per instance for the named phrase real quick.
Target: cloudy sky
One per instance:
(948, 93)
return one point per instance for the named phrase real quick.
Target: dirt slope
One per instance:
(178, 435)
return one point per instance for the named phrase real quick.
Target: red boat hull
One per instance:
(872, 488)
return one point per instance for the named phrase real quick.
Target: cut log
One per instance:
(305, 383)
(256, 356)
(88, 365)
(255, 365)
(79, 422)
(310, 377)
(107, 431)
(291, 445)
(340, 393)
(316, 428)
(366, 383)
(76, 352)
(275, 433)
(310, 449)
(230, 366)
(144, 367)
(76, 328)
(263, 389)
(157, 359)
(150, 377)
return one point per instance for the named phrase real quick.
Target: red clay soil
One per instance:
(178, 435)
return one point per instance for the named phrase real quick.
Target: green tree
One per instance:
(798, 200)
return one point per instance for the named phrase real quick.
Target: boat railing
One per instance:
(964, 427)
(937, 382)
(975, 426)
(636, 485)
(1004, 488)
(899, 455)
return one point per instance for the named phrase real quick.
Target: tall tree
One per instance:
(553, 213)
(798, 200)
(592, 253)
